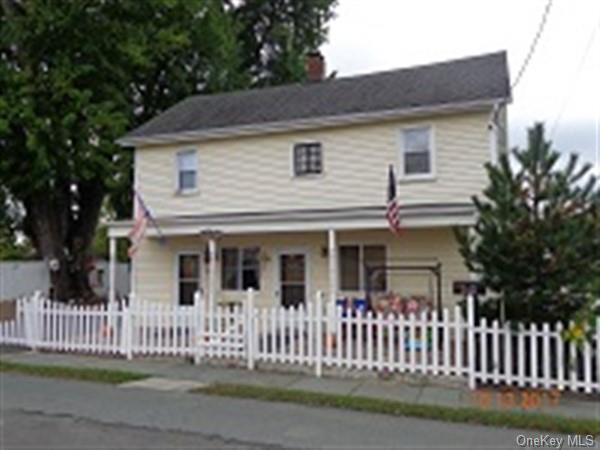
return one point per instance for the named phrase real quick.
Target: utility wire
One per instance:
(533, 44)
(569, 94)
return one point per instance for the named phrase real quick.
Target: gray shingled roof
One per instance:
(478, 78)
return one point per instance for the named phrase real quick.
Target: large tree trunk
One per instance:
(62, 235)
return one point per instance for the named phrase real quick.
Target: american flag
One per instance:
(142, 216)
(393, 208)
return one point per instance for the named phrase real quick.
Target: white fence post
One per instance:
(126, 329)
(331, 327)
(199, 324)
(132, 309)
(249, 328)
(319, 334)
(471, 350)
(125, 348)
(31, 322)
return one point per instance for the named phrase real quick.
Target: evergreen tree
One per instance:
(536, 242)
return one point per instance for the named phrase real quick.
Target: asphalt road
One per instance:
(35, 430)
(46, 413)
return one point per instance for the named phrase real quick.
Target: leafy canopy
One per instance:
(75, 75)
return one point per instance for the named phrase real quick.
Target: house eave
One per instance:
(308, 123)
(412, 216)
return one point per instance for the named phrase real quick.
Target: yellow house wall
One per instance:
(155, 277)
(255, 173)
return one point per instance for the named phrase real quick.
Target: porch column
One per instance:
(333, 265)
(212, 255)
(112, 251)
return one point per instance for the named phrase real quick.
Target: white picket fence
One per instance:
(318, 337)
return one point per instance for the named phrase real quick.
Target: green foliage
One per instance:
(75, 75)
(11, 247)
(276, 35)
(72, 373)
(100, 246)
(537, 238)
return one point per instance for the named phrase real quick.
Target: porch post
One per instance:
(333, 265)
(212, 254)
(112, 251)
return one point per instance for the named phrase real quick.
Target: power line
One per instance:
(569, 94)
(533, 44)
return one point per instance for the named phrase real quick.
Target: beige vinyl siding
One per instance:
(155, 275)
(255, 173)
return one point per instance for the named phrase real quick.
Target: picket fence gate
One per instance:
(319, 337)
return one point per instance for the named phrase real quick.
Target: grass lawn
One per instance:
(546, 422)
(72, 373)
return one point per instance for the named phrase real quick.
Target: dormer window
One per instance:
(187, 166)
(308, 159)
(417, 152)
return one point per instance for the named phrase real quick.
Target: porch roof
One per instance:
(352, 218)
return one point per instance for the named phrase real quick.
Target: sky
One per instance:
(560, 87)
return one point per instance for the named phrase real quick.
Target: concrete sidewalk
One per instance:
(417, 390)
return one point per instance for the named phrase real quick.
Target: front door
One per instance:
(292, 278)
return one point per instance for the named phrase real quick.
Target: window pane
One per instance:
(416, 140)
(250, 279)
(308, 159)
(417, 151)
(349, 268)
(416, 163)
(189, 267)
(187, 179)
(250, 257)
(250, 268)
(229, 268)
(186, 292)
(292, 268)
(374, 256)
(186, 161)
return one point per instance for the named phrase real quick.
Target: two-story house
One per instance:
(283, 189)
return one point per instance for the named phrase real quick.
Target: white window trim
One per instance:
(176, 272)
(361, 252)
(308, 176)
(239, 267)
(402, 175)
(195, 189)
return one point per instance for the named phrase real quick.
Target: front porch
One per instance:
(286, 259)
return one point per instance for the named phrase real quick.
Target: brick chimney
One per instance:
(314, 66)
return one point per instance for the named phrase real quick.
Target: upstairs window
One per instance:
(240, 268)
(187, 165)
(308, 159)
(417, 151)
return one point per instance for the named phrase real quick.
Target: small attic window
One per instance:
(308, 158)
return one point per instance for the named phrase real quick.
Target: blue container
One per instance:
(359, 304)
(341, 302)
